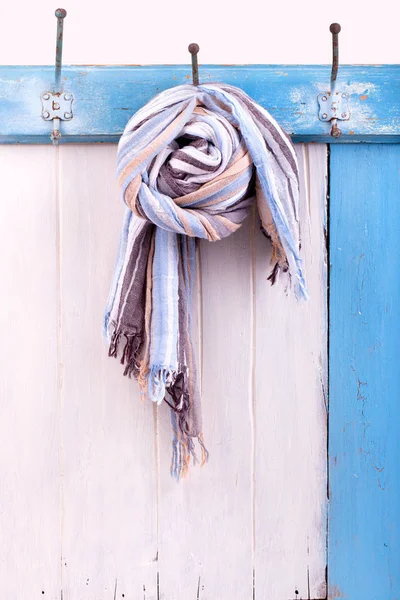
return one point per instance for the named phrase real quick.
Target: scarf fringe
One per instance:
(183, 448)
(182, 451)
(281, 265)
(299, 289)
(130, 353)
(158, 378)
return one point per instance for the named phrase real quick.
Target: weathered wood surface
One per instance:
(364, 473)
(105, 98)
(290, 412)
(109, 518)
(30, 547)
(102, 518)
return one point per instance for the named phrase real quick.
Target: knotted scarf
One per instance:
(190, 164)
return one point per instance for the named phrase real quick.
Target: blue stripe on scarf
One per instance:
(123, 241)
(164, 322)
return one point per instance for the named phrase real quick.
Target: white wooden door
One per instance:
(87, 506)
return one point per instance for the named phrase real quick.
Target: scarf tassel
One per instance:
(183, 448)
(130, 353)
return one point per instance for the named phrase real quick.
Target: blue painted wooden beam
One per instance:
(105, 98)
(364, 391)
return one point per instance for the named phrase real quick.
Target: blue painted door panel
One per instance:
(364, 449)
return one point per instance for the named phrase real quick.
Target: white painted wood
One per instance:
(109, 471)
(290, 411)
(206, 522)
(85, 467)
(29, 491)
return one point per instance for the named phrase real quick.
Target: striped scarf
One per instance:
(190, 163)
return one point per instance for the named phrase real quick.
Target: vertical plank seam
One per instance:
(158, 485)
(252, 389)
(307, 182)
(199, 291)
(328, 317)
(321, 217)
(61, 456)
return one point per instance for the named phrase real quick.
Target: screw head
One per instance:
(67, 97)
(60, 13)
(193, 48)
(344, 115)
(46, 96)
(56, 106)
(67, 115)
(46, 114)
(344, 95)
(335, 28)
(324, 98)
(324, 116)
(55, 136)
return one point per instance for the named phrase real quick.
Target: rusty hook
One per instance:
(60, 13)
(335, 30)
(194, 50)
(56, 102)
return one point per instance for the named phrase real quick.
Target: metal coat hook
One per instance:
(60, 13)
(334, 105)
(335, 29)
(57, 104)
(194, 50)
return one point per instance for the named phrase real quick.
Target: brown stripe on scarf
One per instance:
(131, 311)
(144, 363)
(183, 393)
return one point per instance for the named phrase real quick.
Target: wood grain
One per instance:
(109, 469)
(206, 521)
(87, 486)
(29, 459)
(289, 407)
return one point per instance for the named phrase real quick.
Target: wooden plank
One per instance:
(289, 408)
(29, 460)
(206, 521)
(364, 474)
(110, 500)
(106, 97)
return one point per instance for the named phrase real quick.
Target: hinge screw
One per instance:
(46, 114)
(56, 106)
(344, 95)
(324, 98)
(335, 131)
(324, 116)
(344, 115)
(67, 115)
(67, 97)
(46, 96)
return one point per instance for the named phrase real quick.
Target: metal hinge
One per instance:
(56, 107)
(334, 106)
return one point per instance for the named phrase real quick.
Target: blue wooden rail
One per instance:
(105, 98)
